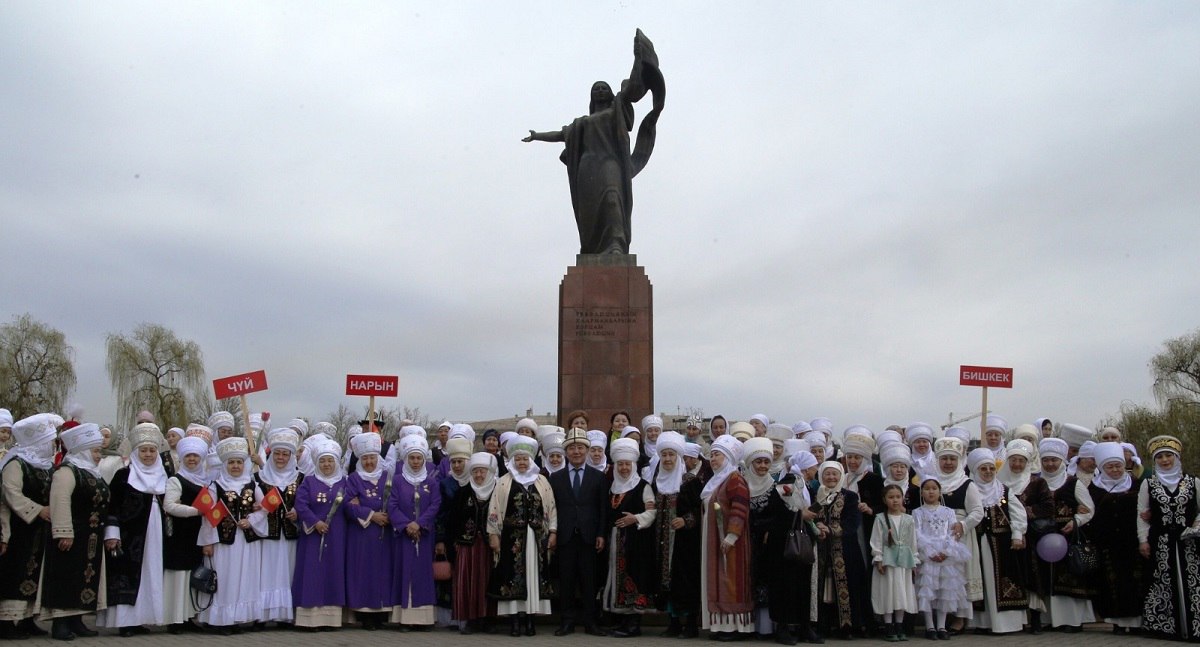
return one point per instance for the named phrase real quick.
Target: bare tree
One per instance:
(37, 370)
(202, 405)
(1176, 369)
(155, 370)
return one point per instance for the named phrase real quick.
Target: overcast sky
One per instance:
(845, 202)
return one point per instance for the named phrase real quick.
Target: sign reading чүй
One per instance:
(235, 385)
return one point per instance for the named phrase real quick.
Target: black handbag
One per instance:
(203, 581)
(1082, 558)
(798, 546)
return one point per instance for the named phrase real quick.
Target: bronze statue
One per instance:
(600, 167)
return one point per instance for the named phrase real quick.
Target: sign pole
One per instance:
(246, 424)
(983, 416)
(371, 414)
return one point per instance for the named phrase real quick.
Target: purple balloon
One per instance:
(1052, 547)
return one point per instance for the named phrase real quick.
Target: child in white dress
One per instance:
(941, 578)
(893, 551)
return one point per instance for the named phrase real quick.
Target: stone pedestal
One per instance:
(605, 339)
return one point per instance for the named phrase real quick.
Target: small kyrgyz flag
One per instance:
(272, 501)
(211, 508)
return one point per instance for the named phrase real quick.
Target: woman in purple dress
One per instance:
(368, 534)
(319, 584)
(412, 510)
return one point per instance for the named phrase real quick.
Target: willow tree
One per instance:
(153, 369)
(37, 370)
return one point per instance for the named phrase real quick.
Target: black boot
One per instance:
(12, 631)
(1035, 622)
(30, 627)
(530, 630)
(674, 628)
(60, 629)
(630, 628)
(784, 635)
(515, 629)
(80, 629)
(691, 627)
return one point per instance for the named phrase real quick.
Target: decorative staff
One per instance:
(417, 502)
(387, 494)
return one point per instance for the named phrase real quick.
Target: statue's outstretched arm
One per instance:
(550, 136)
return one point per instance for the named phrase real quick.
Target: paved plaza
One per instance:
(1098, 635)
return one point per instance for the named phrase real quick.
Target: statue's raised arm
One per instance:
(600, 165)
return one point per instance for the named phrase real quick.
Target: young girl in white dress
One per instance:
(941, 578)
(893, 551)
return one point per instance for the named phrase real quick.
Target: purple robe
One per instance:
(368, 550)
(320, 576)
(413, 562)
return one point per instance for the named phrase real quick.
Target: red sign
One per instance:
(382, 385)
(985, 376)
(228, 387)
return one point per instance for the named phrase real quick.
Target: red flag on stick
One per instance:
(212, 509)
(272, 501)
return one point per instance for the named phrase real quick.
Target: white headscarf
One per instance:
(227, 450)
(1057, 448)
(952, 480)
(990, 492)
(826, 495)
(483, 459)
(192, 445)
(35, 440)
(597, 438)
(624, 449)
(731, 449)
(409, 445)
(752, 449)
(669, 482)
(1017, 482)
(80, 441)
(922, 463)
(151, 479)
(284, 438)
(1169, 478)
(528, 447)
(800, 461)
(327, 447)
(365, 444)
(1110, 452)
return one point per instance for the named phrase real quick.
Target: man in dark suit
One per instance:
(580, 494)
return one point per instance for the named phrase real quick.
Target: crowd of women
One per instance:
(764, 530)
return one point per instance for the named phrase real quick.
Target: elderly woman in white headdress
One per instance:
(369, 537)
(960, 495)
(74, 559)
(279, 481)
(554, 455)
(134, 537)
(994, 430)
(919, 436)
(232, 543)
(778, 435)
(677, 529)
(466, 528)
(727, 608)
(25, 519)
(598, 450)
(1068, 596)
(181, 554)
(114, 454)
(1119, 589)
(522, 531)
(457, 451)
(1033, 493)
(629, 588)
(844, 588)
(1167, 509)
(413, 511)
(319, 579)
(1001, 538)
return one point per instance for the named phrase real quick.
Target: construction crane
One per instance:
(951, 421)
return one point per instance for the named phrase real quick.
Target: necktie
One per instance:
(575, 481)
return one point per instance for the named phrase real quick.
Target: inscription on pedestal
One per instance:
(602, 322)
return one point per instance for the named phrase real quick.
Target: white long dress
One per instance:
(238, 596)
(941, 585)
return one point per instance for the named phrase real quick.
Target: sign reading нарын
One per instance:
(372, 385)
(985, 376)
(235, 385)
